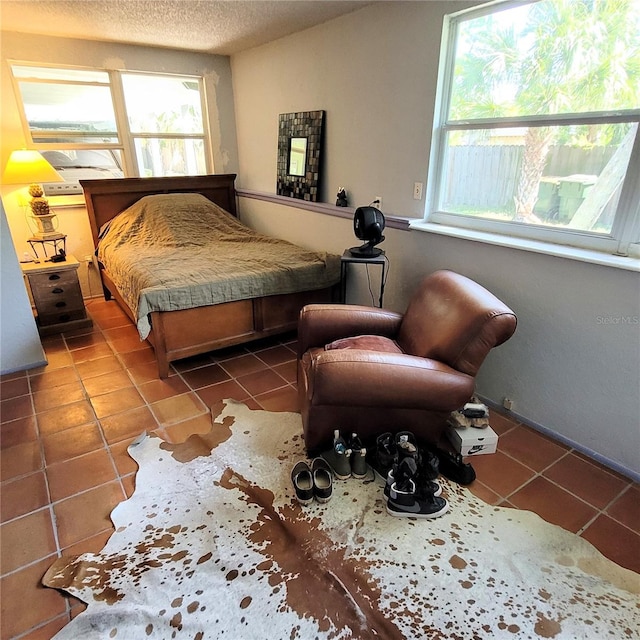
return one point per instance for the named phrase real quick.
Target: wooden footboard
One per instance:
(190, 332)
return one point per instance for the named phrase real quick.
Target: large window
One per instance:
(536, 132)
(99, 124)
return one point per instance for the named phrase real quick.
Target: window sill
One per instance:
(534, 246)
(66, 202)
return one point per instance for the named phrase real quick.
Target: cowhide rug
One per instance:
(212, 544)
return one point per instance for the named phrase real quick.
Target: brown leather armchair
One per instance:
(369, 370)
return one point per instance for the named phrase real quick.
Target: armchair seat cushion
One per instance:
(366, 343)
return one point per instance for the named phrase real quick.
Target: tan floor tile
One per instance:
(25, 540)
(140, 356)
(62, 418)
(276, 355)
(19, 460)
(98, 367)
(94, 544)
(48, 630)
(127, 345)
(288, 370)
(284, 399)
(58, 396)
(17, 432)
(25, 587)
(23, 495)
(114, 402)
(155, 390)
(626, 509)
(484, 493)
(261, 382)
(242, 365)
(531, 448)
(123, 461)
(500, 423)
(91, 353)
(205, 376)
(107, 382)
(71, 443)
(553, 504)
(129, 424)
(84, 472)
(95, 506)
(14, 388)
(14, 408)
(110, 322)
(118, 333)
(221, 391)
(500, 473)
(129, 484)
(51, 379)
(84, 340)
(615, 541)
(145, 372)
(58, 360)
(587, 481)
(178, 408)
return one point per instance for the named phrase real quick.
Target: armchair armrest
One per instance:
(320, 324)
(373, 379)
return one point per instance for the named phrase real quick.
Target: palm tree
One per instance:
(572, 56)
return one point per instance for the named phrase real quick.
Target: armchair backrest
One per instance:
(454, 320)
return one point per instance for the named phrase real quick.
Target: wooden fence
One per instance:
(486, 176)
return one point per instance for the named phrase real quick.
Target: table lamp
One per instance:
(28, 166)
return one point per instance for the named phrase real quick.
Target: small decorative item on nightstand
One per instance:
(56, 295)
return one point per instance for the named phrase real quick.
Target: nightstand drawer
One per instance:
(53, 284)
(59, 300)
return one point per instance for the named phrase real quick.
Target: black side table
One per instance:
(347, 258)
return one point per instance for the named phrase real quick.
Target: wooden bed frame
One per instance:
(181, 334)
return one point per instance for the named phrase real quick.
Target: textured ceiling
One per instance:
(195, 25)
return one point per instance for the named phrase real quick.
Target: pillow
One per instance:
(366, 343)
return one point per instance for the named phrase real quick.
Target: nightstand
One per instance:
(57, 296)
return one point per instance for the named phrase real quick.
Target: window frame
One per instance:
(624, 238)
(126, 138)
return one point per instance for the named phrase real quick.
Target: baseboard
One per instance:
(594, 455)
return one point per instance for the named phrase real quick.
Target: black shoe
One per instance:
(302, 482)
(359, 468)
(407, 445)
(407, 501)
(382, 456)
(322, 480)
(431, 487)
(452, 466)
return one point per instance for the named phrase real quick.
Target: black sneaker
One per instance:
(452, 466)
(407, 445)
(407, 501)
(431, 487)
(382, 456)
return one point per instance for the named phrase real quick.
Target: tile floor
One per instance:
(64, 466)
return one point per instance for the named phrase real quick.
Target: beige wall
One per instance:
(573, 366)
(27, 48)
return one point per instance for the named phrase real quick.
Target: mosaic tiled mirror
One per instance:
(299, 150)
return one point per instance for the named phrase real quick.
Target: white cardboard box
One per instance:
(470, 441)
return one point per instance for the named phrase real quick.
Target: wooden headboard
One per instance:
(107, 198)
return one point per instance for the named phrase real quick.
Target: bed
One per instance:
(214, 305)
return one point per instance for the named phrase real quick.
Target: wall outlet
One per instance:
(417, 190)
(377, 202)
(507, 403)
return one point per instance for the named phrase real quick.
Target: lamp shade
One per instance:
(26, 166)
